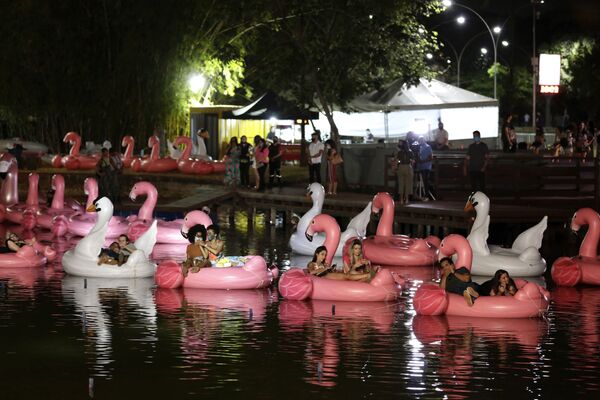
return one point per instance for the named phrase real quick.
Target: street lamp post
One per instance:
(448, 3)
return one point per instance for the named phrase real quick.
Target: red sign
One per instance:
(290, 152)
(549, 89)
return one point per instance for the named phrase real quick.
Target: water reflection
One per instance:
(107, 305)
(336, 331)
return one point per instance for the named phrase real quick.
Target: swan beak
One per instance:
(469, 206)
(91, 208)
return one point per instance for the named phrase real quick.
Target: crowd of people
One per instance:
(573, 140)
(242, 158)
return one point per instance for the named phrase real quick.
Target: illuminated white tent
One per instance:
(396, 110)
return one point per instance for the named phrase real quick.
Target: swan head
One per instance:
(319, 224)
(102, 205)
(477, 200)
(315, 191)
(71, 137)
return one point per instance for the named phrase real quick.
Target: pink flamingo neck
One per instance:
(384, 201)
(76, 139)
(32, 192)
(327, 224)
(155, 144)
(10, 186)
(128, 141)
(151, 193)
(58, 201)
(456, 244)
(589, 245)
(187, 146)
(90, 186)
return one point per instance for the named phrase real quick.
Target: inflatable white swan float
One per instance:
(522, 259)
(83, 259)
(357, 226)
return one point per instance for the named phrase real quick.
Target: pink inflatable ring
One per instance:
(531, 300)
(298, 284)
(252, 275)
(584, 268)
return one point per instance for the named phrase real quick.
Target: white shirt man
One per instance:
(199, 150)
(315, 154)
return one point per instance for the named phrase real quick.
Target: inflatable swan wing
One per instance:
(147, 240)
(532, 237)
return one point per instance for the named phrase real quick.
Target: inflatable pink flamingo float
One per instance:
(128, 142)
(298, 284)
(168, 231)
(55, 217)
(385, 248)
(75, 160)
(154, 163)
(10, 208)
(531, 300)
(584, 268)
(80, 224)
(189, 165)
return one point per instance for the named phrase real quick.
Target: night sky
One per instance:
(557, 19)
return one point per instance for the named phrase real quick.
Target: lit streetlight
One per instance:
(461, 20)
(496, 30)
(483, 50)
(429, 56)
(505, 43)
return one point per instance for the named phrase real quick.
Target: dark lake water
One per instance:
(72, 338)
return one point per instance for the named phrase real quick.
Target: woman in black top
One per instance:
(245, 162)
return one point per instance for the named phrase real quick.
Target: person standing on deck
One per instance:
(476, 163)
(315, 154)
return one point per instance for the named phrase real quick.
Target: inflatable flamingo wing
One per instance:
(147, 240)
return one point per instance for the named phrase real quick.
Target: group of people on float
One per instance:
(204, 250)
(118, 252)
(356, 267)
(242, 156)
(458, 281)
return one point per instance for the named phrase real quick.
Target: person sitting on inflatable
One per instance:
(319, 267)
(356, 264)
(111, 255)
(12, 244)
(125, 248)
(458, 280)
(500, 285)
(196, 252)
(214, 245)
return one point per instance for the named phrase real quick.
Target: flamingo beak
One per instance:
(469, 206)
(309, 237)
(91, 208)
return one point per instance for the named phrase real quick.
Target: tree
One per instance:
(327, 53)
(109, 68)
